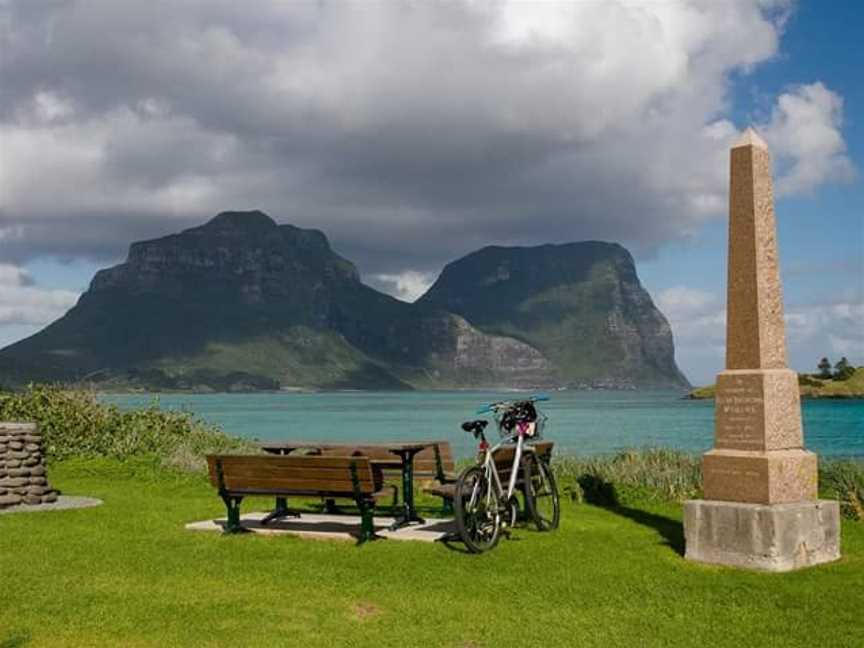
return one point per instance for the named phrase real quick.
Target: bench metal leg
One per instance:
(367, 523)
(330, 507)
(281, 511)
(447, 506)
(232, 524)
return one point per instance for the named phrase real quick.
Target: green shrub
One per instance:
(75, 424)
(808, 381)
(844, 480)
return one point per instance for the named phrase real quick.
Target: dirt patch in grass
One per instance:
(363, 611)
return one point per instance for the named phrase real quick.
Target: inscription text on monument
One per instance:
(740, 416)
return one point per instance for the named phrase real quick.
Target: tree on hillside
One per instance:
(824, 368)
(843, 370)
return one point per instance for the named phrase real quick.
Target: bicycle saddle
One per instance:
(475, 426)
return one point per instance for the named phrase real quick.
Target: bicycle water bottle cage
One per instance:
(475, 427)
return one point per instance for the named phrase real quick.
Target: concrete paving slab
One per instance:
(333, 527)
(64, 502)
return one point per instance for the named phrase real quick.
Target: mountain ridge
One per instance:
(242, 302)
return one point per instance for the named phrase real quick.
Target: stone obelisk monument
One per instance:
(760, 508)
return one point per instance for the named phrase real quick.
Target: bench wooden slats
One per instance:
(279, 479)
(289, 473)
(236, 476)
(289, 480)
(270, 470)
(310, 491)
(447, 491)
(503, 458)
(336, 462)
(250, 485)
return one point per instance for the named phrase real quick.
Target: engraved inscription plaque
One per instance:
(740, 412)
(735, 478)
(759, 477)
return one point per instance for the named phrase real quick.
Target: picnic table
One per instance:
(403, 451)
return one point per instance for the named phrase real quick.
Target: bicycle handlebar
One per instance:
(494, 407)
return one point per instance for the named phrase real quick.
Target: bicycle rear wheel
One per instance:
(476, 509)
(541, 493)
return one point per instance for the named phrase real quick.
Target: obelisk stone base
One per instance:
(775, 537)
(778, 477)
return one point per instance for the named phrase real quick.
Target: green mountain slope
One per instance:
(580, 304)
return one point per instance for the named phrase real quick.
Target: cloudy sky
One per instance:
(414, 132)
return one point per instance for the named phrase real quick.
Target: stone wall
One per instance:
(22, 466)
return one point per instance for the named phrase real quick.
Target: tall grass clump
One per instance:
(843, 479)
(75, 424)
(654, 474)
(671, 475)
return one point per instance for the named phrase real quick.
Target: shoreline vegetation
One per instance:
(76, 426)
(811, 386)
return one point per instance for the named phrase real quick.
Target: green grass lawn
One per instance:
(128, 574)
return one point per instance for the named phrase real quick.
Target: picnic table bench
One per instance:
(408, 459)
(433, 461)
(239, 476)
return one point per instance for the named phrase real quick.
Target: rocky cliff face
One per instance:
(581, 305)
(244, 303)
(242, 258)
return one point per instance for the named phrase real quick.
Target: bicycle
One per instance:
(482, 506)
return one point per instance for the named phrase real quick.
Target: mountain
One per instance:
(243, 303)
(579, 304)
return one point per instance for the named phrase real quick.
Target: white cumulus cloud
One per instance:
(805, 133)
(407, 286)
(698, 320)
(21, 302)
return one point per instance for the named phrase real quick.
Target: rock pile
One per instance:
(22, 466)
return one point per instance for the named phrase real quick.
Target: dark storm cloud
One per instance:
(409, 132)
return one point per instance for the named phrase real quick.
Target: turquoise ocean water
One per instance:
(579, 422)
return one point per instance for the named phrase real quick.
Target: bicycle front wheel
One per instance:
(541, 493)
(478, 516)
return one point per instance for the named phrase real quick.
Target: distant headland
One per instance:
(812, 386)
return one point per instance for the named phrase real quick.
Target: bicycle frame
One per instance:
(491, 470)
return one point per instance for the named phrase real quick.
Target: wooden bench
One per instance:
(238, 476)
(503, 458)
